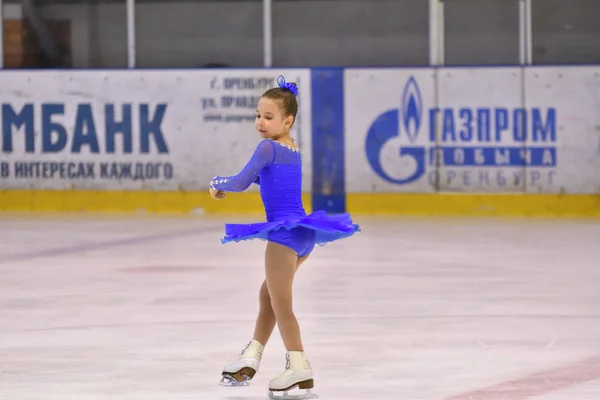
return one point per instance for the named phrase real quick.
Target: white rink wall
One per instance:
(474, 130)
(362, 132)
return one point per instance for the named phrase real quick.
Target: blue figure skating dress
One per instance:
(278, 170)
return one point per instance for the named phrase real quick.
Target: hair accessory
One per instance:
(287, 85)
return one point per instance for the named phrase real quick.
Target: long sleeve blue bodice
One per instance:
(278, 170)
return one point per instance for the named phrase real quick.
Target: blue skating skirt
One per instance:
(328, 228)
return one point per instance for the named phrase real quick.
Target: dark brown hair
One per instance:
(289, 104)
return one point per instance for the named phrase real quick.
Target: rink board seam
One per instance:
(544, 205)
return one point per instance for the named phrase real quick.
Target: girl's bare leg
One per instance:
(265, 322)
(249, 362)
(280, 267)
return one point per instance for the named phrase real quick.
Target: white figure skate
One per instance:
(241, 372)
(297, 374)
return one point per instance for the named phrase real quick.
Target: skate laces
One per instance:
(245, 348)
(287, 371)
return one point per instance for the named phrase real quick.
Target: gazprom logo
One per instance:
(463, 146)
(412, 109)
(390, 125)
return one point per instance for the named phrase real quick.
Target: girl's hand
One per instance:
(217, 194)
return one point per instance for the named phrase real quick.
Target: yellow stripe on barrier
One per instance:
(131, 201)
(446, 204)
(450, 204)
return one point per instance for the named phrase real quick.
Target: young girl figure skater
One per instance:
(291, 236)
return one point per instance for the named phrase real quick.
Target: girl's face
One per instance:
(270, 120)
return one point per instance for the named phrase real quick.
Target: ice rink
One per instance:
(149, 307)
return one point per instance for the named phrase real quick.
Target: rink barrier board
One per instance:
(387, 104)
(330, 191)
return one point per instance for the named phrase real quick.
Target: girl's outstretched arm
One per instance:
(263, 156)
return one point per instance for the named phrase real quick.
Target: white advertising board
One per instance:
(473, 130)
(476, 150)
(132, 130)
(574, 94)
(387, 129)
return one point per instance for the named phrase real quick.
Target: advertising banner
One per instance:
(132, 130)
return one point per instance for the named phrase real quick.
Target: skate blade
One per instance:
(299, 394)
(230, 381)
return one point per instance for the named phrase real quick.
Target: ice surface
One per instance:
(436, 309)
